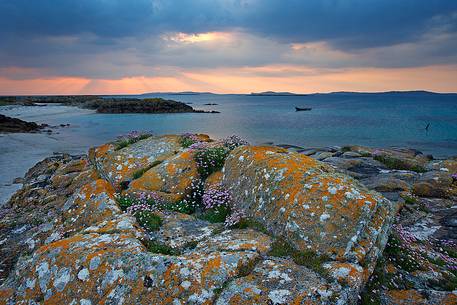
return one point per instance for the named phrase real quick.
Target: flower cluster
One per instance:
(199, 145)
(210, 160)
(454, 177)
(233, 142)
(216, 197)
(424, 250)
(189, 139)
(134, 135)
(235, 217)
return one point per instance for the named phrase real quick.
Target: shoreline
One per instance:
(141, 192)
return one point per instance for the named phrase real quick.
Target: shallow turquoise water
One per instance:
(372, 120)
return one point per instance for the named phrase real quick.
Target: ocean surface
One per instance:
(376, 120)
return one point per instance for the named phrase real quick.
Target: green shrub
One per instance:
(210, 160)
(148, 220)
(216, 214)
(160, 248)
(246, 223)
(125, 202)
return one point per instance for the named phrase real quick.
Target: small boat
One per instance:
(302, 109)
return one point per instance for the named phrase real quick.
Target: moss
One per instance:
(309, 259)
(394, 163)
(186, 141)
(365, 154)
(125, 202)
(250, 223)
(137, 174)
(451, 252)
(409, 200)
(160, 248)
(148, 220)
(210, 160)
(215, 215)
(346, 148)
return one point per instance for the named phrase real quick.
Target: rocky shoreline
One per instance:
(9, 125)
(186, 219)
(107, 104)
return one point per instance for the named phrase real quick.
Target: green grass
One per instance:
(250, 223)
(210, 160)
(216, 215)
(309, 259)
(394, 163)
(148, 220)
(137, 174)
(186, 141)
(129, 141)
(183, 206)
(160, 248)
(125, 202)
(401, 256)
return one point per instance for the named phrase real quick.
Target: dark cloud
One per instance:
(97, 38)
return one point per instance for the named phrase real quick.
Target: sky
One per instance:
(226, 46)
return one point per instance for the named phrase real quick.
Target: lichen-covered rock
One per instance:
(116, 268)
(435, 184)
(179, 231)
(120, 165)
(280, 281)
(32, 215)
(171, 180)
(213, 181)
(308, 203)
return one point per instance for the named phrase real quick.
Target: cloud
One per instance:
(122, 39)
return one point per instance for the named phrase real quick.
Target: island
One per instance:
(107, 104)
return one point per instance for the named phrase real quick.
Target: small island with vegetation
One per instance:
(106, 104)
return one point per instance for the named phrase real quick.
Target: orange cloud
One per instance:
(249, 79)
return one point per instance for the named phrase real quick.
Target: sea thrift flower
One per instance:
(234, 218)
(198, 145)
(234, 141)
(216, 197)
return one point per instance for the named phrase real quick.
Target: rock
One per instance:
(171, 180)
(308, 203)
(358, 168)
(65, 239)
(120, 165)
(180, 231)
(214, 180)
(8, 125)
(435, 184)
(33, 214)
(402, 159)
(279, 281)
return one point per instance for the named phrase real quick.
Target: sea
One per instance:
(375, 120)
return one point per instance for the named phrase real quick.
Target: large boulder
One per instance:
(309, 203)
(171, 180)
(120, 165)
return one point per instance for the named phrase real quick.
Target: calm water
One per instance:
(372, 120)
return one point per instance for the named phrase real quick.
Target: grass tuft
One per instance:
(148, 220)
(309, 259)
